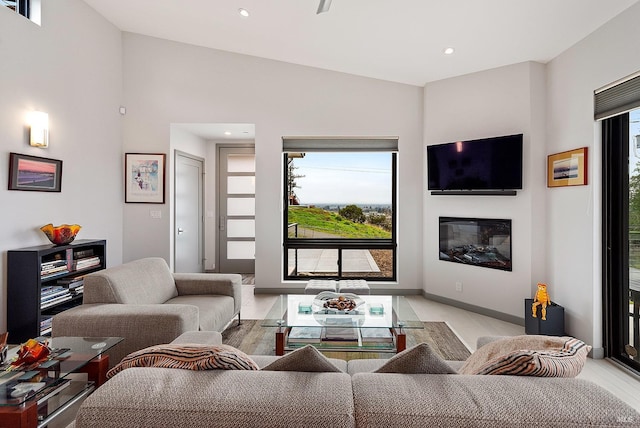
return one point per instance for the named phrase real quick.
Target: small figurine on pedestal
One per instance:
(541, 298)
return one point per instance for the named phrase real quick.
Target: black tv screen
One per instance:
(483, 164)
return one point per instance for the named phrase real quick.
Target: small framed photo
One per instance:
(144, 178)
(567, 168)
(34, 173)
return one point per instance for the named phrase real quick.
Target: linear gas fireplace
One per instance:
(476, 241)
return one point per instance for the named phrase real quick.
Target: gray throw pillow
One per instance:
(305, 359)
(419, 359)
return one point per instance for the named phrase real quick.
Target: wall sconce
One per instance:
(39, 132)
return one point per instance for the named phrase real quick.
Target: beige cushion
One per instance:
(166, 398)
(418, 359)
(144, 281)
(305, 359)
(439, 401)
(188, 357)
(200, 337)
(533, 355)
(214, 311)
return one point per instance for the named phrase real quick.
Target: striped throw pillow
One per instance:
(565, 360)
(188, 357)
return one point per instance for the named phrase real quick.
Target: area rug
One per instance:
(253, 339)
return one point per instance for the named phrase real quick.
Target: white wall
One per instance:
(57, 68)
(167, 82)
(503, 101)
(574, 251)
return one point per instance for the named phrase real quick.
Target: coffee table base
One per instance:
(23, 416)
(399, 334)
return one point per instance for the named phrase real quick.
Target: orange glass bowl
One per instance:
(61, 235)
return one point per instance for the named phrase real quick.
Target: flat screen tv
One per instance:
(483, 164)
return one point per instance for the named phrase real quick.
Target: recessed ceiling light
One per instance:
(448, 51)
(227, 132)
(244, 12)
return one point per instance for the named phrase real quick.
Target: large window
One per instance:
(30, 9)
(19, 6)
(339, 211)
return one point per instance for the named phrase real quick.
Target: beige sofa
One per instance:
(146, 304)
(356, 397)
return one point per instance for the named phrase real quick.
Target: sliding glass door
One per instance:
(621, 232)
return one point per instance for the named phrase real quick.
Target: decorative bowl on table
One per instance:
(341, 303)
(61, 235)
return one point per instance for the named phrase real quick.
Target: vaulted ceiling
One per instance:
(396, 40)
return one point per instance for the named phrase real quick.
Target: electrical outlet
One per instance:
(459, 287)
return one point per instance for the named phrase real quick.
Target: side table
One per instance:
(35, 410)
(552, 326)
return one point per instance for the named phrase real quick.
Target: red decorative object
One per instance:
(31, 352)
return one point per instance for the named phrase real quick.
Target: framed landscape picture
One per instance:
(144, 178)
(567, 168)
(34, 173)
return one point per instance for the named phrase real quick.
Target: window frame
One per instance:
(340, 244)
(22, 8)
(615, 237)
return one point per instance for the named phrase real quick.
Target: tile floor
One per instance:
(469, 326)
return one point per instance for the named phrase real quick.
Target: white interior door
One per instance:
(188, 234)
(236, 209)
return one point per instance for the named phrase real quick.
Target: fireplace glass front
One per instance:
(476, 241)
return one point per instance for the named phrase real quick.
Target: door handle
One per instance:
(180, 231)
(222, 223)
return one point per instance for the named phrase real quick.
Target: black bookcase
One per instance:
(34, 271)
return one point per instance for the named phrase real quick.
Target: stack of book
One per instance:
(52, 295)
(45, 325)
(305, 335)
(340, 331)
(374, 336)
(86, 263)
(75, 285)
(53, 269)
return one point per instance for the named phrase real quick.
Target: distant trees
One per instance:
(353, 213)
(291, 180)
(379, 220)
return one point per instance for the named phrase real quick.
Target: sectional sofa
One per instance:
(355, 396)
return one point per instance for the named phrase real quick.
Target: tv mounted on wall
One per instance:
(492, 165)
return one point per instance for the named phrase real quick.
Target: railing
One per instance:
(634, 283)
(634, 296)
(295, 235)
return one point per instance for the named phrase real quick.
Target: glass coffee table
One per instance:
(378, 324)
(35, 395)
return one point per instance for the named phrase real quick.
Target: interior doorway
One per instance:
(189, 213)
(236, 203)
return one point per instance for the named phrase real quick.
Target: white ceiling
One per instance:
(395, 40)
(220, 131)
